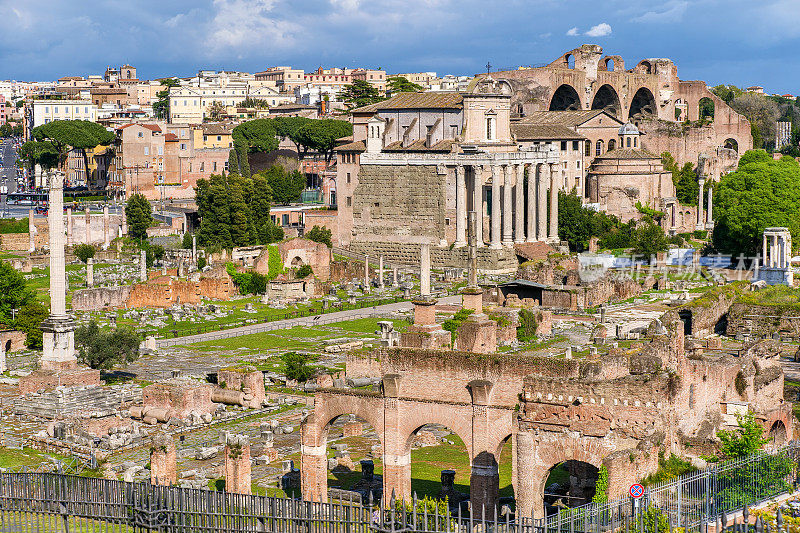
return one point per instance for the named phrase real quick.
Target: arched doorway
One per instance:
(569, 484)
(8, 346)
(297, 261)
(505, 460)
(686, 317)
(609, 64)
(705, 108)
(440, 465)
(721, 327)
(777, 433)
(606, 98)
(612, 144)
(732, 144)
(643, 103)
(354, 462)
(565, 98)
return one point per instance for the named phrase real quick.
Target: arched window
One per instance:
(635, 142)
(598, 148)
(588, 148)
(629, 142)
(612, 144)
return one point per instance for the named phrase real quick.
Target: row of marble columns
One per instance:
(775, 250)
(511, 221)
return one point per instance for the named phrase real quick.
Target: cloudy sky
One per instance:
(733, 41)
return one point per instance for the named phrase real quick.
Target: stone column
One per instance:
(194, 248)
(461, 206)
(519, 205)
(124, 222)
(541, 202)
(313, 464)
(477, 203)
(58, 342)
(237, 464)
(710, 211)
(396, 455)
(69, 226)
(90, 272)
(88, 217)
(31, 232)
(530, 213)
(508, 238)
(380, 271)
(553, 207)
(764, 247)
(484, 483)
(162, 460)
(3, 363)
(394, 277)
(526, 490)
(142, 266)
(425, 270)
(106, 229)
(700, 224)
(495, 236)
(366, 273)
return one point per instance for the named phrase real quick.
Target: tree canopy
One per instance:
(104, 349)
(84, 252)
(360, 93)
(41, 153)
(14, 293)
(161, 105)
(259, 134)
(287, 128)
(684, 178)
(65, 135)
(286, 186)
(139, 213)
(321, 135)
(320, 234)
(761, 193)
(399, 84)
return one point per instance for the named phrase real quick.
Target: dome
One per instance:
(629, 129)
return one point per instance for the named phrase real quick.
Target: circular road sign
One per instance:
(636, 490)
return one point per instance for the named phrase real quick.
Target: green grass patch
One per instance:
(366, 325)
(10, 458)
(256, 341)
(301, 332)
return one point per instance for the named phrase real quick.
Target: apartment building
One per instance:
(191, 104)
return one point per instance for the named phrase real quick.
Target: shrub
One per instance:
(526, 332)
(186, 244)
(320, 234)
(297, 367)
(454, 323)
(84, 252)
(304, 271)
(29, 320)
(104, 349)
(201, 263)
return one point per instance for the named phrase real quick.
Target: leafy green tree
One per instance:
(14, 293)
(762, 113)
(84, 252)
(161, 105)
(320, 234)
(399, 84)
(288, 127)
(254, 103)
(158, 252)
(213, 208)
(41, 153)
(139, 213)
(526, 332)
(215, 110)
(649, 239)
(727, 92)
(577, 224)
(304, 271)
(360, 93)
(104, 349)
(747, 439)
(258, 134)
(286, 186)
(684, 178)
(29, 320)
(321, 135)
(259, 204)
(186, 242)
(297, 367)
(761, 193)
(201, 263)
(78, 135)
(233, 162)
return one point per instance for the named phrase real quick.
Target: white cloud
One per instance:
(600, 30)
(346, 5)
(248, 24)
(671, 11)
(572, 32)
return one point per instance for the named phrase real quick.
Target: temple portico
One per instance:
(776, 266)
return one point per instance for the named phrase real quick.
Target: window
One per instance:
(598, 148)
(86, 109)
(349, 201)
(160, 165)
(635, 141)
(46, 109)
(587, 148)
(226, 166)
(490, 129)
(55, 109)
(563, 146)
(146, 150)
(160, 150)
(214, 166)
(285, 219)
(190, 166)
(183, 146)
(348, 178)
(202, 166)
(219, 137)
(140, 135)
(629, 142)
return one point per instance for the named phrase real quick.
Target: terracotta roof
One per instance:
(526, 132)
(533, 251)
(357, 146)
(170, 137)
(216, 129)
(151, 127)
(569, 119)
(437, 100)
(292, 106)
(419, 146)
(108, 90)
(627, 153)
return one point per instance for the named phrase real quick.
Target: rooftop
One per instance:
(526, 132)
(570, 119)
(438, 100)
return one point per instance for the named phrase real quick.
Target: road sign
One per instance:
(636, 490)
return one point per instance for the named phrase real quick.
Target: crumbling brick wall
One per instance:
(97, 298)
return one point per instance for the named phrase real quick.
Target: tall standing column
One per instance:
(143, 266)
(530, 213)
(461, 206)
(425, 270)
(710, 211)
(508, 238)
(124, 222)
(88, 217)
(106, 236)
(541, 202)
(366, 273)
(380, 271)
(764, 247)
(495, 237)
(553, 205)
(477, 201)
(519, 205)
(69, 226)
(31, 232)
(700, 219)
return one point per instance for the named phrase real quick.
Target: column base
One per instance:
(699, 226)
(495, 246)
(459, 244)
(508, 243)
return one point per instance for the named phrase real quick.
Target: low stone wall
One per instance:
(706, 313)
(761, 320)
(98, 298)
(502, 260)
(12, 340)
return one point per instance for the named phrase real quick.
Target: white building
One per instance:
(191, 104)
(313, 94)
(44, 111)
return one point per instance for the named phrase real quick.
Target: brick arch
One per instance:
(565, 97)
(455, 418)
(782, 415)
(334, 406)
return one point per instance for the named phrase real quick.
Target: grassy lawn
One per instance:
(257, 341)
(301, 332)
(25, 457)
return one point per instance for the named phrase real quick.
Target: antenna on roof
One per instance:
(488, 67)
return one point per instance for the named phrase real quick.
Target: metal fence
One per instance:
(696, 502)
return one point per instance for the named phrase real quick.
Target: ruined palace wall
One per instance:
(97, 298)
(399, 203)
(708, 310)
(216, 288)
(760, 320)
